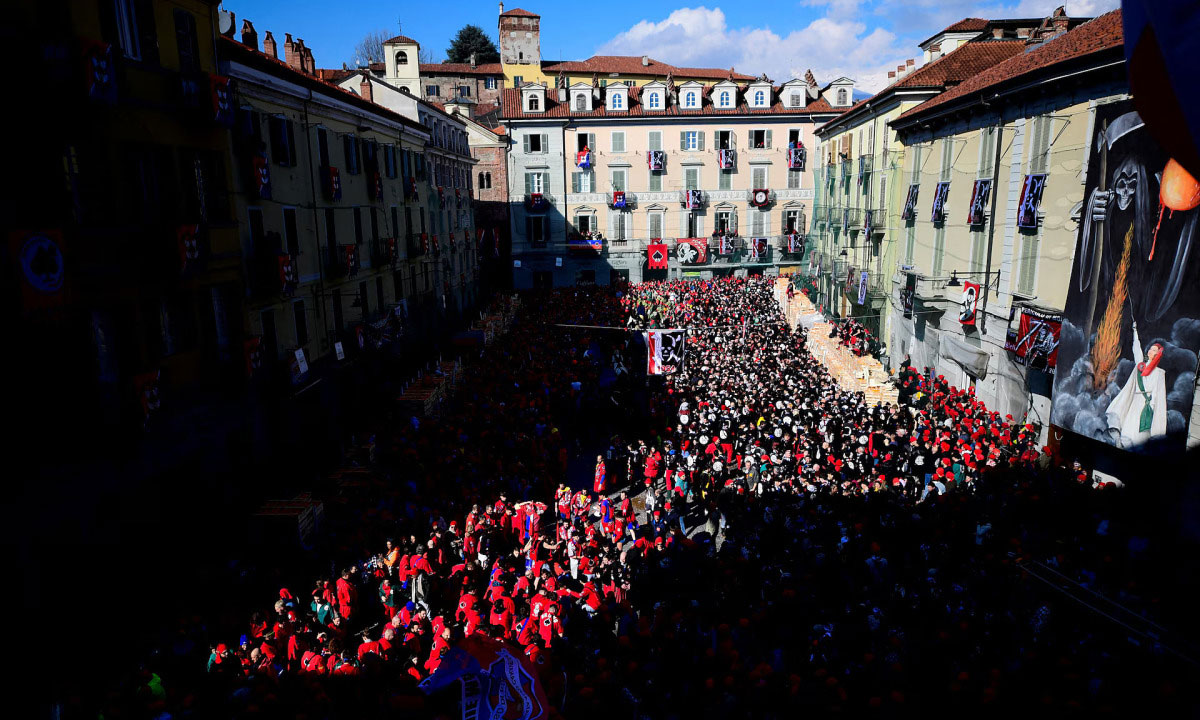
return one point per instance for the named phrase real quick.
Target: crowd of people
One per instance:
(856, 336)
(750, 540)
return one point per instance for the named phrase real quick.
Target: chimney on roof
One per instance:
(891, 74)
(911, 62)
(232, 23)
(501, 8)
(810, 79)
(307, 63)
(472, 61)
(364, 89)
(289, 52)
(1060, 20)
(645, 61)
(249, 35)
(997, 33)
(269, 46)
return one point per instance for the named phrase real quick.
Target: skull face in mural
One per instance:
(1124, 189)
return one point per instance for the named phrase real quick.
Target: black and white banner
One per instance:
(664, 351)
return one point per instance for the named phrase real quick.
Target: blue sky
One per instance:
(858, 38)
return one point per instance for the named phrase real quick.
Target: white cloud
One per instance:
(832, 45)
(861, 39)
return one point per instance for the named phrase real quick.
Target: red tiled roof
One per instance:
(511, 108)
(632, 65)
(967, 25)
(401, 39)
(273, 64)
(1103, 33)
(334, 75)
(461, 69)
(962, 64)
(486, 108)
(518, 12)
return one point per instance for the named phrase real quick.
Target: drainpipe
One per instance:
(987, 268)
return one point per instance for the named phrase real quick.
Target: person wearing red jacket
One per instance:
(598, 476)
(501, 615)
(550, 625)
(347, 594)
(466, 607)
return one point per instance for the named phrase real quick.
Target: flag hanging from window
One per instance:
(655, 159)
(760, 197)
(252, 349)
(664, 351)
(351, 260)
(100, 79)
(1034, 339)
(222, 104)
(796, 157)
(583, 159)
(910, 203)
(692, 251)
(332, 184)
(979, 197)
(795, 243)
(1031, 200)
(188, 239)
(262, 176)
(725, 158)
(691, 199)
(287, 273)
(726, 245)
(938, 212)
(618, 199)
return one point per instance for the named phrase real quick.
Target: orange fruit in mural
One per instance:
(1178, 190)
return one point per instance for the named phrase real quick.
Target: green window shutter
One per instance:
(525, 143)
(768, 139)
(528, 183)
(700, 140)
(574, 182)
(545, 142)
(683, 140)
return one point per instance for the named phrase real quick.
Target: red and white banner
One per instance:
(656, 256)
(664, 351)
(692, 251)
(969, 303)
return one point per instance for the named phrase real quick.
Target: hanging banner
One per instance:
(909, 294)
(656, 159)
(968, 304)
(352, 259)
(725, 159)
(938, 213)
(222, 103)
(796, 157)
(726, 245)
(618, 199)
(583, 159)
(262, 176)
(1033, 341)
(252, 349)
(287, 273)
(99, 73)
(187, 239)
(331, 182)
(758, 249)
(664, 351)
(40, 264)
(656, 256)
(1131, 321)
(910, 203)
(691, 251)
(980, 192)
(1031, 201)
(146, 387)
(863, 279)
(494, 681)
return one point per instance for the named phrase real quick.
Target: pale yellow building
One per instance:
(1007, 129)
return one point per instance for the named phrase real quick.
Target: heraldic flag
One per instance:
(497, 682)
(664, 351)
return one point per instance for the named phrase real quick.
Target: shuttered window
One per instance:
(1039, 144)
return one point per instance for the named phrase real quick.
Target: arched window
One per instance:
(841, 96)
(581, 102)
(654, 103)
(760, 98)
(533, 102)
(690, 101)
(401, 58)
(616, 102)
(724, 98)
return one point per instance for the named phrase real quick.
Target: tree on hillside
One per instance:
(370, 48)
(472, 39)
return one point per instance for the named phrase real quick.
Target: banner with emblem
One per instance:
(691, 251)
(980, 192)
(656, 256)
(222, 103)
(187, 238)
(910, 202)
(656, 159)
(1031, 201)
(41, 266)
(495, 681)
(664, 351)
(100, 78)
(940, 193)
(968, 304)
(252, 349)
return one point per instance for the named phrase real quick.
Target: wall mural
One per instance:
(1131, 327)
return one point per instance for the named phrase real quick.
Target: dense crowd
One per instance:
(759, 542)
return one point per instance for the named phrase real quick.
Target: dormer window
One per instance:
(689, 100)
(760, 98)
(841, 96)
(401, 58)
(795, 100)
(618, 101)
(653, 101)
(725, 99)
(533, 102)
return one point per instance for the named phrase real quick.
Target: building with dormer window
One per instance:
(722, 165)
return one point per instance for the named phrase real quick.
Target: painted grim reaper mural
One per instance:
(1131, 326)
